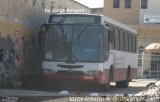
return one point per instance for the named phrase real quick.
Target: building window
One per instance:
(116, 3)
(144, 4)
(127, 3)
(155, 65)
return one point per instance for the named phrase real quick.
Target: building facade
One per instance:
(142, 15)
(127, 13)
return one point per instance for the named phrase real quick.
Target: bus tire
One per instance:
(128, 73)
(125, 83)
(104, 87)
(111, 72)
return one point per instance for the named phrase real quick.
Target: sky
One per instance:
(92, 3)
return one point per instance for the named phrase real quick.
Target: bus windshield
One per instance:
(74, 42)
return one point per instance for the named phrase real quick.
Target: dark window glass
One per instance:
(117, 39)
(144, 4)
(134, 43)
(74, 18)
(106, 44)
(116, 3)
(121, 40)
(74, 43)
(130, 42)
(126, 41)
(112, 33)
(127, 3)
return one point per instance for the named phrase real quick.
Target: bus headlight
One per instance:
(49, 71)
(93, 72)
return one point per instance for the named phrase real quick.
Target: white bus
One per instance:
(91, 49)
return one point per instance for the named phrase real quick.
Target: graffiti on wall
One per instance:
(17, 52)
(7, 53)
(18, 41)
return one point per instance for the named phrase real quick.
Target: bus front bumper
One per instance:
(71, 78)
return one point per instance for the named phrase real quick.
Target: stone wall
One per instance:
(20, 21)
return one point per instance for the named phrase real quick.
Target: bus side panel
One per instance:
(121, 62)
(121, 74)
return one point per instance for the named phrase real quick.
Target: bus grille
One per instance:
(75, 73)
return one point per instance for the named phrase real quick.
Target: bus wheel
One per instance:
(122, 84)
(125, 83)
(104, 87)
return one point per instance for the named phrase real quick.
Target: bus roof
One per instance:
(113, 22)
(104, 20)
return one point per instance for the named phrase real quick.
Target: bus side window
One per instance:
(121, 40)
(106, 44)
(117, 39)
(130, 42)
(112, 37)
(126, 41)
(133, 42)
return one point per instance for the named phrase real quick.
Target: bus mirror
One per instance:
(43, 27)
(107, 26)
(41, 36)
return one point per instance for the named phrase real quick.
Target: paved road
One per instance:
(135, 86)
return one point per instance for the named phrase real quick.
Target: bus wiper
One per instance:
(80, 33)
(83, 29)
(63, 33)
